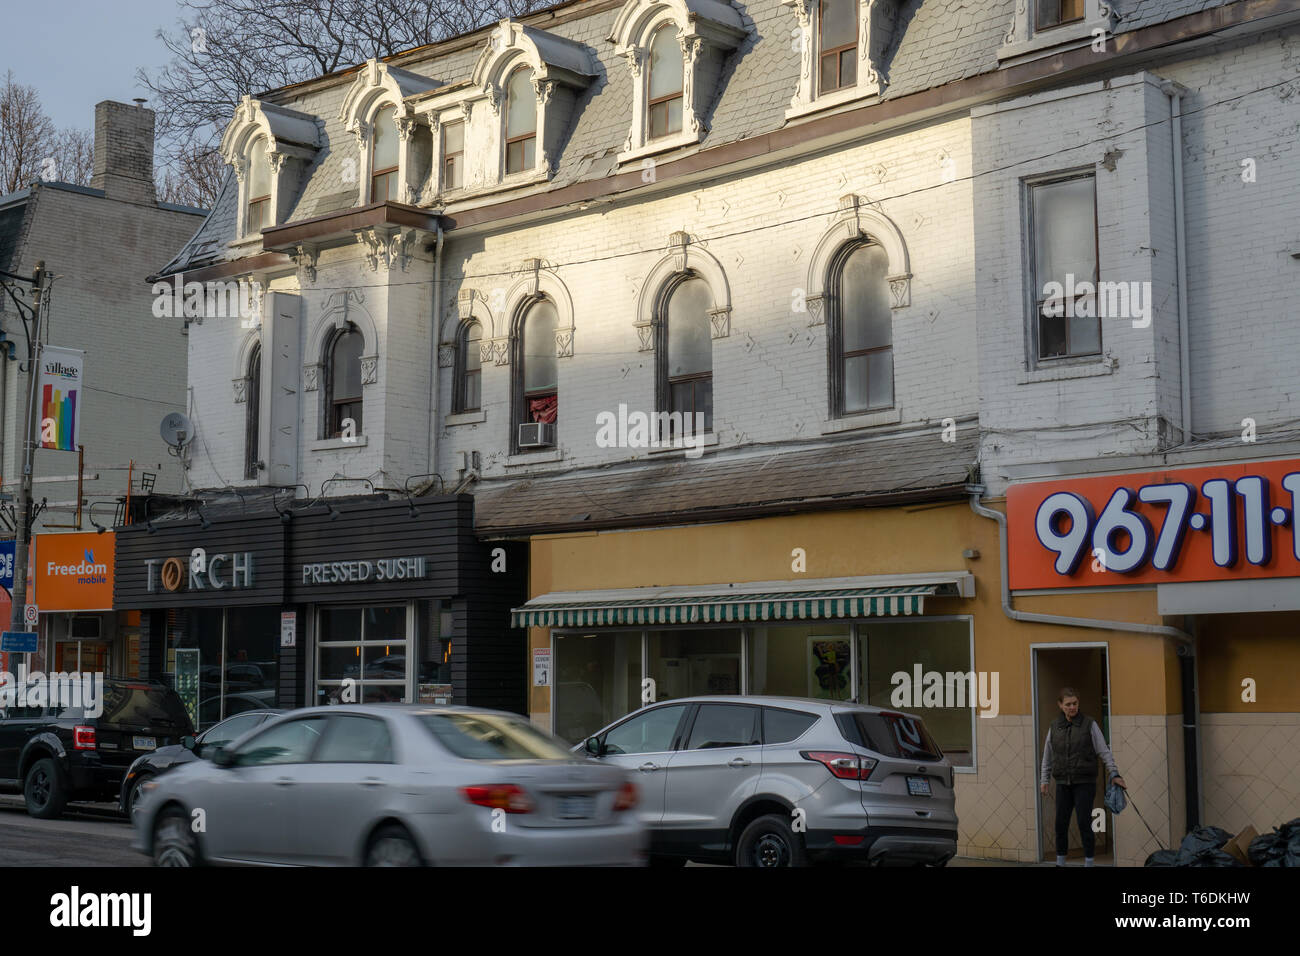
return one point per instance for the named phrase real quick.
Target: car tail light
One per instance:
(500, 796)
(83, 737)
(627, 797)
(843, 765)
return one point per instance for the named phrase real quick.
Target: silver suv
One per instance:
(780, 781)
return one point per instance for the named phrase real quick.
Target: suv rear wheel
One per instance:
(46, 790)
(770, 841)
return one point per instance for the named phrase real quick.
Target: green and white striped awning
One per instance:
(719, 605)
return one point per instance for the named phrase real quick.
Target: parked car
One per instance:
(772, 781)
(392, 785)
(54, 755)
(150, 765)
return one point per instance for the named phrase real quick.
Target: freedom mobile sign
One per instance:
(1210, 523)
(59, 392)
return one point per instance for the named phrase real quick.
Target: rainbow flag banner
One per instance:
(59, 391)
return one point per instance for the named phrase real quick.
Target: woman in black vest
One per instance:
(1070, 752)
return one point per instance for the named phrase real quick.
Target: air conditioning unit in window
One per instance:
(537, 435)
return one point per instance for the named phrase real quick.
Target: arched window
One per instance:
(383, 161)
(862, 352)
(665, 79)
(537, 371)
(343, 382)
(521, 121)
(837, 44)
(468, 387)
(684, 354)
(259, 187)
(253, 421)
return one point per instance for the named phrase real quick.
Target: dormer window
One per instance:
(259, 187)
(521, 122)
(268, 146)
(394, 146)
(842, 44)
(665, 97)
(837, 44)
(676, 51)
(383, 179)
(1044, 27)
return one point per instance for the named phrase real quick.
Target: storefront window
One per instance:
(366, 646)
(597, 680)
(690, 663)
(892, 655)
(238, 665)
(809, 660)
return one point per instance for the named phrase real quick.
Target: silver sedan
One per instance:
(392, 785)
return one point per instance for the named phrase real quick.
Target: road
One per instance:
(86, 835)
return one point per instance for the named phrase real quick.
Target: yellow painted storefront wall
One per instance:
(862, 542)
(997, 820)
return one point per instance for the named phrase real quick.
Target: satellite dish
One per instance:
(177, 430)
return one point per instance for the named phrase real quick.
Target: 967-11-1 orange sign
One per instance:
(1211, 523)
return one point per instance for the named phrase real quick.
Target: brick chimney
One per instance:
(124, 152)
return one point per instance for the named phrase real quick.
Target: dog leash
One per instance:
(1144, 821)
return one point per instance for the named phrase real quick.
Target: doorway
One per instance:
(1086, 668)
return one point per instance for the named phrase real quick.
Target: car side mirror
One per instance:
(594, 747)
(189, 743)
(223, 757)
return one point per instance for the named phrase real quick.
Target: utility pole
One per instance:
(16, 622)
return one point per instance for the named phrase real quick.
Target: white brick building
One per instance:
(962, 158)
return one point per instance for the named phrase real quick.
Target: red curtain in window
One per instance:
(544, 409)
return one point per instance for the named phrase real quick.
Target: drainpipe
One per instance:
(1186, 651)
(434, 335)
(1175, 93)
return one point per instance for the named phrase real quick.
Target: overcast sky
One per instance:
(78, 52)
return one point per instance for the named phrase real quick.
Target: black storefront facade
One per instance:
(352, 600)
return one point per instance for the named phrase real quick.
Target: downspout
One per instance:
(1186, 651)
(1175, 93)
(434, 334)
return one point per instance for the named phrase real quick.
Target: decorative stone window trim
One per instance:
(876, 19)
(538, 280)
(685, 257)
(342, 309)
(856, 220)
(378, 86)
(708, 31)
(1023, 38)
(292, 141)
(243, 360)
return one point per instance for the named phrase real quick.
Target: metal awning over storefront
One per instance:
(767, 601)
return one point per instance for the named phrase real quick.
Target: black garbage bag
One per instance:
(1161, 858)
(1214, 858)
(1199, 841)
(1279, 848)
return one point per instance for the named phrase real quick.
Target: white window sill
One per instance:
(467, 418)
(1053, 40)
(535, 457)
(710, 440)
(887, 416)
(1061, 373)
(656, 146)
(830, 100)
(246, 241)
(332, 444)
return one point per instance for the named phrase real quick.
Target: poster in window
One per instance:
(828, 668)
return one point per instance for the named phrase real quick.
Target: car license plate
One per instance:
(918, 786)
(574, 806)
(144, 743)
